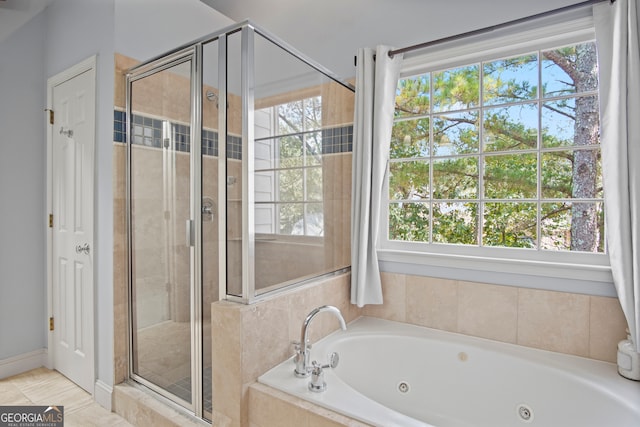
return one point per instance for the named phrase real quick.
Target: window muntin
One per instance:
(291, 169)
(502, 153)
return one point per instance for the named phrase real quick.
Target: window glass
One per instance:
(456, 89)
(288, 174)
(501, 153)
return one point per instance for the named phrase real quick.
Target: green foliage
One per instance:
(437, 154)
(409, 222)
(455, 223)
(510, 224)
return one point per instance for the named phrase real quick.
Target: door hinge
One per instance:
(51, 323)
(50, 220)
(51, 115)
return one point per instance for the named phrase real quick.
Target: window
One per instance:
(288, 168)
(499, 157)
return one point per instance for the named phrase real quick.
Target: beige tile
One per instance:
(10, 394)
(321, 417)
(32, 377)
(315, 420)
(488, 311)
(330, 291)
(432, 302)
(141, 408)
(267, 411)
(336, 292)
(351, 311)
(301, 303)
(554, 321)
(57, 390)
(121, 64)
(394, 298)
(226, 360)
(94, 415)
(273, 408)
(607, 327)
(139, 411)
(265, 338)
(45, 387)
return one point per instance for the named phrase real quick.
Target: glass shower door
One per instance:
(160, 209)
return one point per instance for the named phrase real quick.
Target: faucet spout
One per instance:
(302, 351)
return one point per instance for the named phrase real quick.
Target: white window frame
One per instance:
(586, 273)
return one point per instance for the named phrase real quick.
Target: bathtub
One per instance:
(395, 374)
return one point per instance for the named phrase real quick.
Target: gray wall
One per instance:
(331, 31)
(76, 30)
(22, 191)
(142, 33)
(64, 34)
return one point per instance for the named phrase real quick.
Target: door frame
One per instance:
(192, 54)
(89, 64)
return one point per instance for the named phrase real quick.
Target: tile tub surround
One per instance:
(582, 325)
(141, 408)
(248, 340)
(273, 408)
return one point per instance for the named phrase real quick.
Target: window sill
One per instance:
(290, 239)
(563, 277)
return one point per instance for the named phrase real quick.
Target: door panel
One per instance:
(72, 196)
(160, 203)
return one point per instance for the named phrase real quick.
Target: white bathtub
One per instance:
(394, 374)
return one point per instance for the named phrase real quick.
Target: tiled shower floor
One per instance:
(164, 358)
(182, 389)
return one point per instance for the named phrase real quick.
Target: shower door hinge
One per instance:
(51, 323)
(50, 220)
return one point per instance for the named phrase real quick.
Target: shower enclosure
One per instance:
(238, 188)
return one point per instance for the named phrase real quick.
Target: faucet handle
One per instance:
(317, 383)
(334, 359)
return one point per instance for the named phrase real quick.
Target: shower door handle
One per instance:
(190, 234)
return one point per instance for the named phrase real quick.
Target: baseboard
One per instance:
(22, 363)
(103, 394)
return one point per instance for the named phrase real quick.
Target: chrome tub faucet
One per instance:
(302, 348)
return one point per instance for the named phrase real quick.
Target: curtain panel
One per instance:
(376, 82)
(619, 62)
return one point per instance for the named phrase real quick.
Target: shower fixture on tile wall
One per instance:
(281, 146)
(212, 97)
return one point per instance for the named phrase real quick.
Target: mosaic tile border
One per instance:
(337, 140)
(147, 131)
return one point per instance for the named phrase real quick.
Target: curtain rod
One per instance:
(496, 27)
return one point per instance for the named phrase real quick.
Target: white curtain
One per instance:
(376, 82)
(619, 62)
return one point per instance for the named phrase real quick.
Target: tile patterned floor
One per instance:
(44, 387)
(182, 389)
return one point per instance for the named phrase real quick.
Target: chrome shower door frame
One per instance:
(194, 52)
(193, 55)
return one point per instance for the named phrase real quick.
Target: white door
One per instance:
(73, 135)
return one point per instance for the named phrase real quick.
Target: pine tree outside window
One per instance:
(502, 153)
